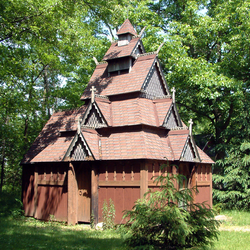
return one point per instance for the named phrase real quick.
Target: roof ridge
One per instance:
(147, 54)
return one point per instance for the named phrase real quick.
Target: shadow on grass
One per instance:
(22, 234)
(19, 232)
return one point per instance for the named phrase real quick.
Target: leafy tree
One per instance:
(46, 52)
(206, 58)
(168, 219)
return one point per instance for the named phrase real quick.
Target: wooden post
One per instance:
(72, 195)
(143, 179)
(94, 193)
(35, 191)
(211, 186)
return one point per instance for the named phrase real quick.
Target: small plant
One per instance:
(217, 208)
(159, 222)
(92, 220)
(108, 215)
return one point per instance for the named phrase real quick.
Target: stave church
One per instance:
(112, 146)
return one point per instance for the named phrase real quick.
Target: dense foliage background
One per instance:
(46, 50)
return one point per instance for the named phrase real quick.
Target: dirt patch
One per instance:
(235, 228)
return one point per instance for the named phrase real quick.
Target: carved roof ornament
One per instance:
(93, 90)
(95, 60)
(79, 120)
(190, 126)
(173, 95)
(158, 50)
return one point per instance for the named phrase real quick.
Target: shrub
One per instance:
(108, 215)
(158, 222)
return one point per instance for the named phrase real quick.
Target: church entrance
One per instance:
(83, 176)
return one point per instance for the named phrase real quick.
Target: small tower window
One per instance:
(124, 39)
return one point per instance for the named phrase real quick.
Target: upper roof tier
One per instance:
(126, 28)
(144, 73)
(116, 51)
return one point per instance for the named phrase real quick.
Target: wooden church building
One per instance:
(112, 146)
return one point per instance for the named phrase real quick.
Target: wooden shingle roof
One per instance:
(120, 84)
(117, 126)
(116, 51)
(126, 27)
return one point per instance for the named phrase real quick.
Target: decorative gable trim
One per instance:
(139, 44)
(162, 76)
(153, 84)
(93, 117)
(172, 119)
(190, 152)
(78, 150)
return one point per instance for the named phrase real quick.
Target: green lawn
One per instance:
(29, 234)
(18, 232)
(233, 240)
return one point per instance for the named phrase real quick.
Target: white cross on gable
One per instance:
(173, 95)
(190, 126)
(93, 90)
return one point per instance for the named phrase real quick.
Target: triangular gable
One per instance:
(93, 117)
(78, 149)
(154, 85)
(190, 152)
(172, 119)
(139, 49)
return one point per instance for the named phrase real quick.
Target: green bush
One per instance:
(159, 221)
(108, 215)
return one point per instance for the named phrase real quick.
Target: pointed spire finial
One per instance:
(173, 95)
(93, 90)
(190, 126)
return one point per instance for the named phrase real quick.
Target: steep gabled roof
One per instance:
(134, 111)
(144, 125)
(162, 107)
(48, 146)
(116, 51)
(126, 27)
(120, 84)
(204, 157)
(135, 145)
(93, 117)
(78, 149)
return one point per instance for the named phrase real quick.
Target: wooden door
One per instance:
(84, 194)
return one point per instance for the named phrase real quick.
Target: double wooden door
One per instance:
(83, 176)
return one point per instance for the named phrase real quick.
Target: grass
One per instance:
(27, 233)
(232, 240)
(19, 232)
(232, 234)
(237, 218)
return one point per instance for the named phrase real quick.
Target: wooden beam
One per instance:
(35, 191)
(203, 183)
(94, 193)
(72, 198)
(119, 183)
(51, 183)
(143, 179)
(211, 186)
